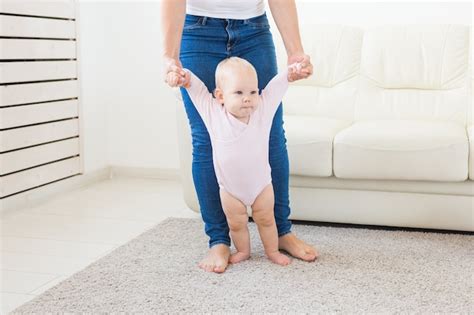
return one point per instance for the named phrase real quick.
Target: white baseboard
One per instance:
(40, 195)
(141, 172)
(37, 196)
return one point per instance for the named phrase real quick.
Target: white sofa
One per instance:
(382, 133)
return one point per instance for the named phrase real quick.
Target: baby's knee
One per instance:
(263, 217)
(237, 222)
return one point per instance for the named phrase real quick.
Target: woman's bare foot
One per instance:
(216, 259)
(279, 258)
(238, 257)
(297, 248)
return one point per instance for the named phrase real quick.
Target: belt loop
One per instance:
(204, 20)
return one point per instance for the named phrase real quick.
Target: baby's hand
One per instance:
(293, 70)
(181, 78)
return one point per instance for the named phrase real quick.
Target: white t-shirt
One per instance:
(226, 9)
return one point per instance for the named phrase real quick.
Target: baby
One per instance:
(239, 120)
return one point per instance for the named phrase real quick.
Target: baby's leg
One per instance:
(237, 218)
(262, 214)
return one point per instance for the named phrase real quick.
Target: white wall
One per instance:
(129, 113)
(93, 75)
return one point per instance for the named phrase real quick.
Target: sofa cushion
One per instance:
(336, 102)
(402, 150)
(334, 50)
(309, 142)
(332, 89)
(416, 56)
(415, 72)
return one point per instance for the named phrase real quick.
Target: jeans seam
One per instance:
(284, 233)
(219, 242)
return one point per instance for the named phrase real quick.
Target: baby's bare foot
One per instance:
(216, 259)
(279, 258)
(238, 257)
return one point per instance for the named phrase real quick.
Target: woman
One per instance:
(198, 34)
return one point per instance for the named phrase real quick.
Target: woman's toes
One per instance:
(312, 252)
(309, 257)
(279, 258)
(216, 259)
(304, 255)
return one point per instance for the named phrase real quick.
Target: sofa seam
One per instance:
(311, 142)
(403, 150)
(337, 57)
(444, 57)
(380, 190)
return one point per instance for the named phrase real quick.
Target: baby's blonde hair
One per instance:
(225, 67)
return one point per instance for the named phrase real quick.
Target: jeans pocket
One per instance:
(192, 23)
(259, 25)
(258, 22)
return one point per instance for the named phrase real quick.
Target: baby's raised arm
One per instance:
(200, 96)
(273, 93)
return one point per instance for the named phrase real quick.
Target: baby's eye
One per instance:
(253, 92)
(238, 92)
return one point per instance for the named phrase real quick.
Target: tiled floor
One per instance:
(44, 245)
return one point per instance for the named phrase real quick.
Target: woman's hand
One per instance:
(306, 67)
(174, 75)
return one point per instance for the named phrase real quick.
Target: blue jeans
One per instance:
(205, 42)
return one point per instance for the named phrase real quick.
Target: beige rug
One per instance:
(359, 270)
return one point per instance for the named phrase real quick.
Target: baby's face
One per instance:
(240, 92)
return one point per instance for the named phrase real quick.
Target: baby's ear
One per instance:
(219, 95)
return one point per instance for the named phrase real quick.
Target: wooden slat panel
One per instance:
(37, 92)
(50, 8)
(37, 71)
(37, 49)
(22, 26)
(21, 159)
(28, 136)
(38, 113)
(27, 179)
(45, 31)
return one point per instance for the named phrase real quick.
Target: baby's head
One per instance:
(237, 86)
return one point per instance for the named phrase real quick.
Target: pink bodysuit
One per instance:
(240, 151)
